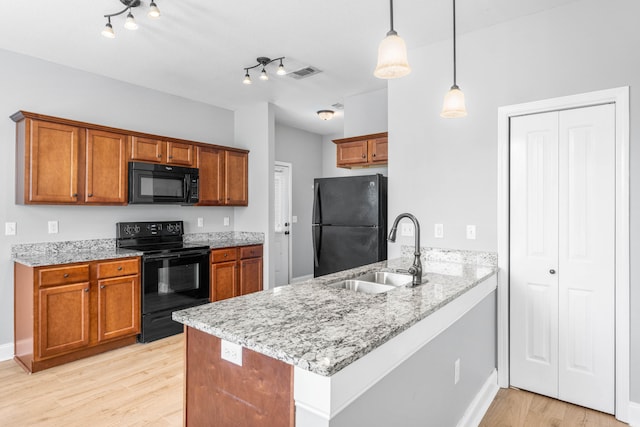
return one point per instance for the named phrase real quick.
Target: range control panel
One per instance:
(149, 229)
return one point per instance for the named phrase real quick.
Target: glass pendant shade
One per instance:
(264, 75)
(154, 12)
(107, 31)
(130, 23)
(247, 79)
(392, 58)
(281, 71)
(453, 105)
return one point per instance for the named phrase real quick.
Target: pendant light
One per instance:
(392, 55)
(453, 105)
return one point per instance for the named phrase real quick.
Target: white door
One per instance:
(562, 268)
(282, 183)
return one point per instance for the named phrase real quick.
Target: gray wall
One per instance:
(304, 151)
(451, 164)
(424, 393)
(42, 87)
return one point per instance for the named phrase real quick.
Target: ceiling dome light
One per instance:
(325, 114)
(247, 79)
(392, 55)
(130, 23)
(263, 75)
(107, 31)
(154, 12)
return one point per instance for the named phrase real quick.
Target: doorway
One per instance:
(282, 223)
(619, 99)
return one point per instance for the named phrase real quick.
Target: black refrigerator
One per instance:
(349, 222)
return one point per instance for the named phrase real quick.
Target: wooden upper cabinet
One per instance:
(147, 150)
(51, 163)
(179, 153)
(106, 168)
(211, 172)
(236, 178)
(362, 151)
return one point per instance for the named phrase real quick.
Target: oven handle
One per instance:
(176, 255)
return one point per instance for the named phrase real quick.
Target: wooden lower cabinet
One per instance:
(66, 312)
(235, 271)
(218, 392)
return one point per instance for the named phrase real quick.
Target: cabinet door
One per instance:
(223, 281)
(63, 319)
(250, 275)
(211, 172)
(146, 150)
(118, 307)
(379, 150)
(236, 176)
(351, 153)
(179, 153)
(52, 163)
(106, 168)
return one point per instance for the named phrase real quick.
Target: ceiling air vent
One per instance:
(338, 106)
(303, 73)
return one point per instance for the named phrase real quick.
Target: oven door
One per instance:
(149, 184)
(174, 280)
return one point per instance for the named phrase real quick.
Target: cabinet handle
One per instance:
(159, 156)
(90, 195)
(86, 289)
(364, 156)
(75, 194)
(374, 154)
(225, 255)
(65, 275)
(170, 157)
(101, 286)
(120, 268)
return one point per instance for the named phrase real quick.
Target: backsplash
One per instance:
(489, 259)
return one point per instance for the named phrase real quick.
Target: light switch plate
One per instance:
(471, 232)
(231, 352)
(10, 228)
(225, 221)
(53, 227)
(200, 222)
(438, 231)
(406, 229)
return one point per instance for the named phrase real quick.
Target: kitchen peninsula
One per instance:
(313, 355)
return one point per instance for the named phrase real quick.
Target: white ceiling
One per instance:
(198, 48)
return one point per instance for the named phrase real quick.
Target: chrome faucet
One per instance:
(416, 268)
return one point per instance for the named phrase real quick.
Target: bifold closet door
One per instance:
(562, 258)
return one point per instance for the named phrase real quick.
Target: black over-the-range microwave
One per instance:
(162, 184)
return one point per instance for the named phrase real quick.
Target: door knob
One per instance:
(552, 271)
(286, 232)
(286, 224)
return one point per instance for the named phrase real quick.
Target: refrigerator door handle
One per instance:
(316, 241)
(317, 217)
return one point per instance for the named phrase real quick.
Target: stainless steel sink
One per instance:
(363, 286)
(387, 278)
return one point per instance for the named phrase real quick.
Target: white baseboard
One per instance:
(6, 351)
(480, 404)
(634, 414)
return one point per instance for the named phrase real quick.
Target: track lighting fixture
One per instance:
(263, 61)
(130, 22)
(392, 55)
(453, 105)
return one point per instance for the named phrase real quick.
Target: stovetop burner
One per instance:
(153, 237)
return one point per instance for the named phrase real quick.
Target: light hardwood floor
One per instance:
(515, 408)
(141, 385)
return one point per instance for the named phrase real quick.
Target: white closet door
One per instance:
(562, 259)
(587, 257)
(534, 252)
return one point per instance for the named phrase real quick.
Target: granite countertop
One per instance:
(323, 329)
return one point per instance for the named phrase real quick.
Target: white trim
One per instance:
(634, 414)
(620, 97)
(289, 214)
(327, 396)
(480, 404)
(6, 351)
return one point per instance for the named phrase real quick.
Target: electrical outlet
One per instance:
(53, 227)
(471, 232)
(200, 222)
(231, 352)
(406, 229)
(10, 228)
(225, 221)
(438, 231)
(456, 371)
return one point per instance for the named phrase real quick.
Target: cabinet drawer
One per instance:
(222, 255)
(62, 275)
(251, 251)
(118, 268)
